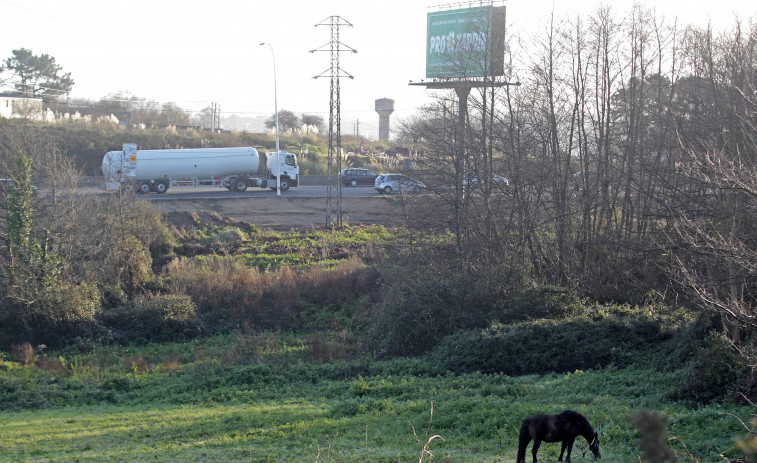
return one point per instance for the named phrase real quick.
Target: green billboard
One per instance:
(468, 42)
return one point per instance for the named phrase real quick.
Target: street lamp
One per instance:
(276, 119)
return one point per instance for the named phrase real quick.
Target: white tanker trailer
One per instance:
(148, 171)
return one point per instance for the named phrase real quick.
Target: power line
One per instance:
(52, 18)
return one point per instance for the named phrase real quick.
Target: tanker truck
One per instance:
(147, 171)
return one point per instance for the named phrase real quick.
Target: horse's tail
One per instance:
(523, 439)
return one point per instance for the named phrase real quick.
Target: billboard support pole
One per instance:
(459, 57)
(462, 111)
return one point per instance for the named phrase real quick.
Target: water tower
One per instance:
(384, 107)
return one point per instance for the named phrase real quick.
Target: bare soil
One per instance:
(285, 213)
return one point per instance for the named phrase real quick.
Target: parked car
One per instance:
(357, 176)
(391, 183)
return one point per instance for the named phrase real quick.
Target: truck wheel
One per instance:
(161, 187)
(284, 184)
(240, 184)
(145, 187)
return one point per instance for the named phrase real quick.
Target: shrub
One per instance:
(163, 242)
(23, 353)
(224, 289)
(67, 303)
(575, 343)
(424, 303)
(543, 301)
(714, 370)
(228, 235)
(136, 262)
(65, 311)
(158, 317)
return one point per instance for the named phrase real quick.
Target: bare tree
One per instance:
(715, 231)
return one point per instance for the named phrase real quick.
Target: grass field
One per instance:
(190, 402)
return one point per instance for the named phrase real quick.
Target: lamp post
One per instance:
(276, 119)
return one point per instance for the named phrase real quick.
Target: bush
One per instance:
(714, 371)
(67, 303)
(224, 289)
(136, 261)
(228, 235)
(64, 312)
(23, 353)
(425, 303)
(159, 317)
(576, 343)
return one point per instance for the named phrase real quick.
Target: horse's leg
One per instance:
(523, 440)
(570, 448)
(521, 458)
(562, 450)
(535, 448)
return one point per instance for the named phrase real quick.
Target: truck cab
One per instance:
(287, 166)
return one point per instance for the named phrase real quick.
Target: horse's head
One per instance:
(594, 446)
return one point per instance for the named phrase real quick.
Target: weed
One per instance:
(426, 454)
(25, 354)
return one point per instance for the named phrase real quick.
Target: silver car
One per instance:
(395, 183)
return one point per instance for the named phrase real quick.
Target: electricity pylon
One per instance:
(334, 188)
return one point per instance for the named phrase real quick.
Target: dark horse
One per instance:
(556, 428)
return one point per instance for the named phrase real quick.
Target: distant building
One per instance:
(21, 107)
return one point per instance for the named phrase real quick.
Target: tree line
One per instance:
(629, 146)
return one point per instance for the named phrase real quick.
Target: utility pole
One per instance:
(215, 116)
(334, 188)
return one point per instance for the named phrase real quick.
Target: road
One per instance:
(301, 207)
(191, 193)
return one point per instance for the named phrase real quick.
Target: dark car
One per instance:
(357, 176)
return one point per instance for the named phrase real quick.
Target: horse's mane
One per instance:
(580, 418)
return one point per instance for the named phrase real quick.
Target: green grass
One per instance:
(268, 403)
(270, 250)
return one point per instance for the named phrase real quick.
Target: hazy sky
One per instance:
(194, 53)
